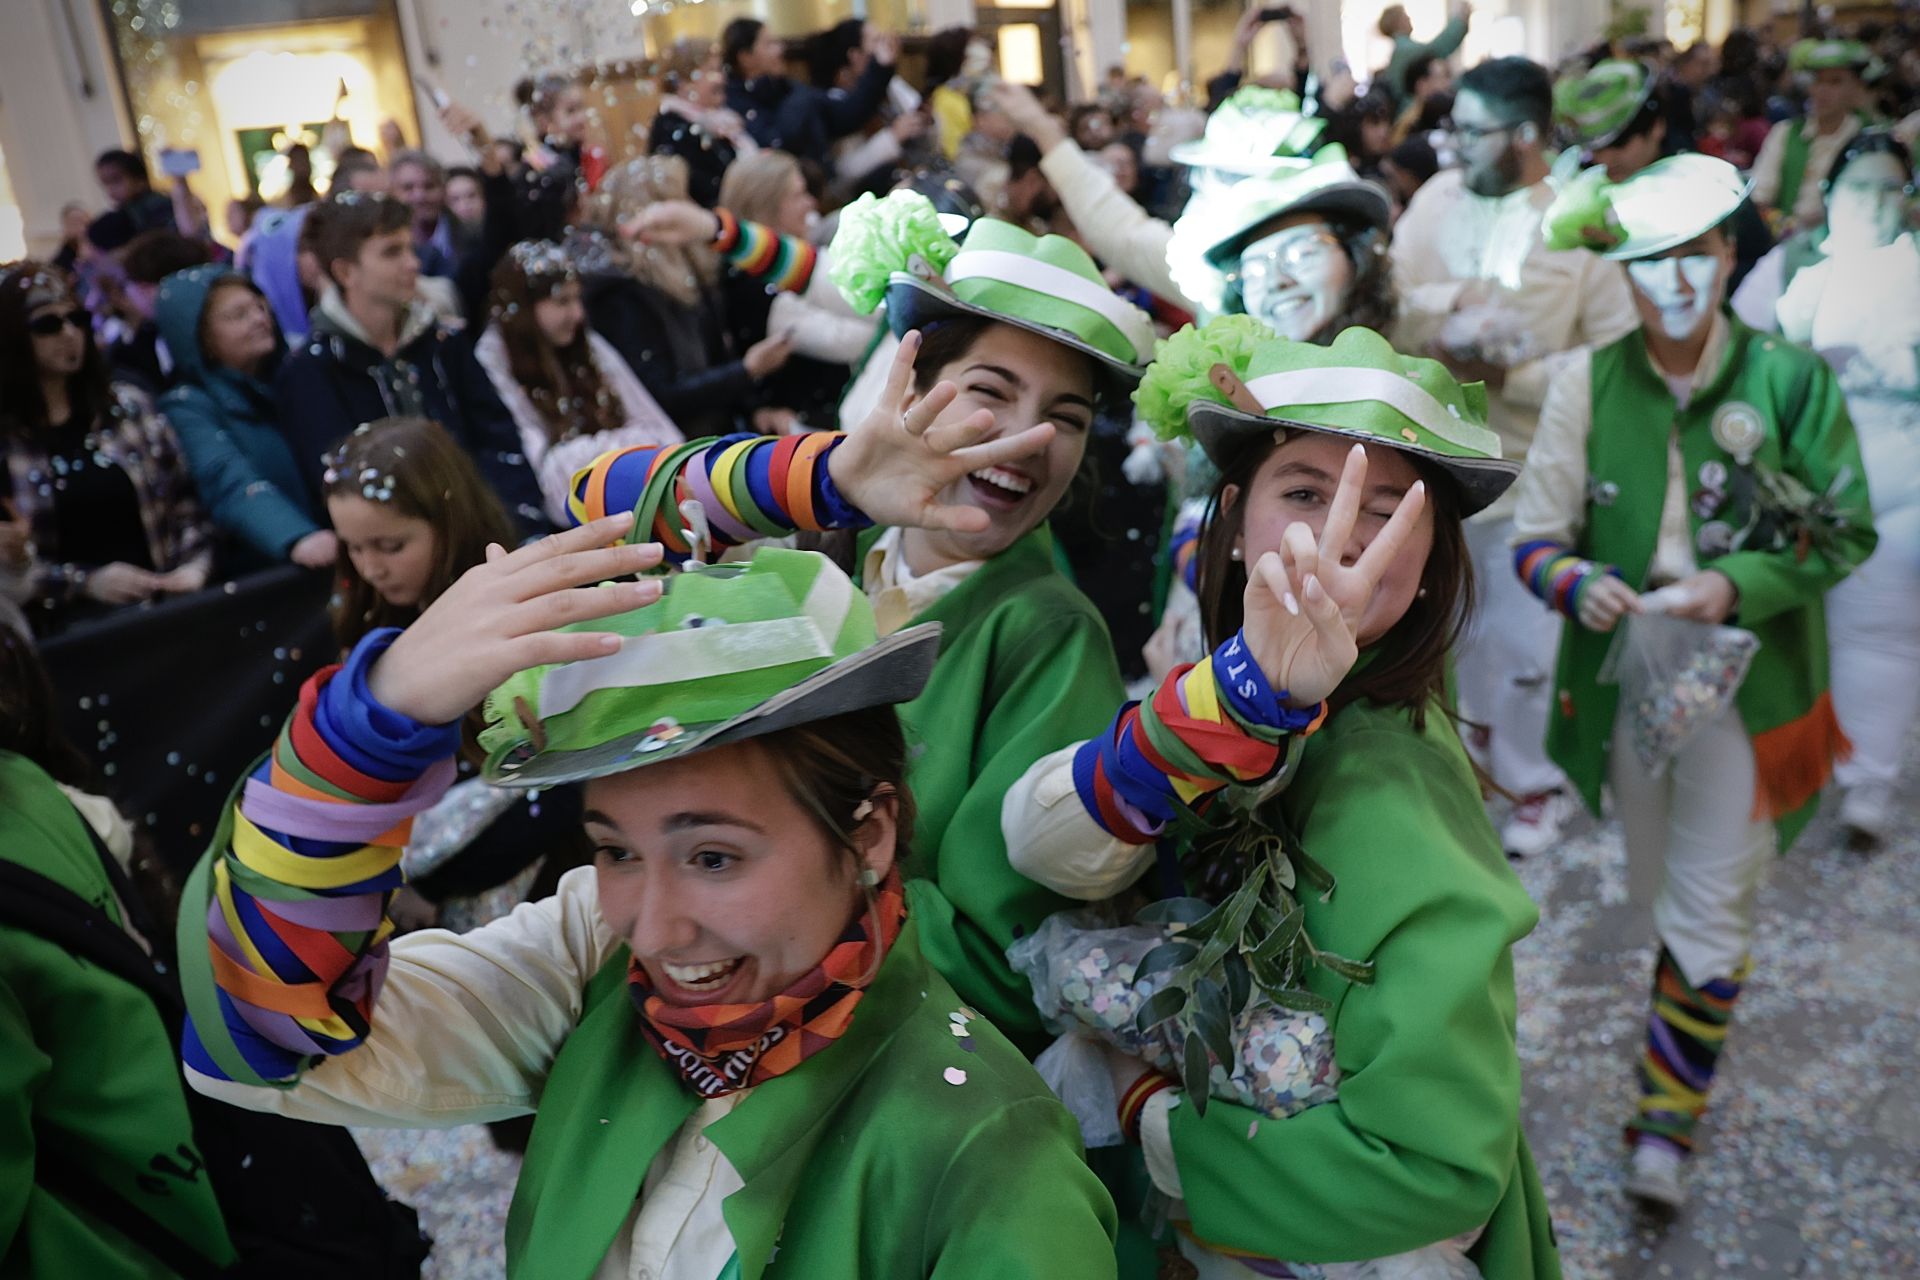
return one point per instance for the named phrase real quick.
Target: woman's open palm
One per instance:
(1303, 607)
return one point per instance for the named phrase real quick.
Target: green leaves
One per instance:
(1253, 941)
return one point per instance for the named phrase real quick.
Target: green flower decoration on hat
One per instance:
(1824, 55)
(1208, 237)
(1593, 107)
(877, 237)
(1255, 130)
(730, 652)
(1234, 382)
(1665, 204)
(1044, 284)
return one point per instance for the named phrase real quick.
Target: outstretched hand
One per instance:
(1303, 607)
(894, 465)
(500, 617)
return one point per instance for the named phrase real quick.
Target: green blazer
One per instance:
(1424, 1141)
(862, 1162)
(1026, 667)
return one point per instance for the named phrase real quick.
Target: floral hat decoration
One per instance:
(1594, 107)
(896, 249)
(729, 652)
(1233, 382)
(1256, 130)
(1665, 204)
(1209, 235)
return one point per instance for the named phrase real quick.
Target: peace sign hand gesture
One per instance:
(896, 463)
(1303, 607)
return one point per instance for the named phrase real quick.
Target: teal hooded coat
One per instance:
(229, 429)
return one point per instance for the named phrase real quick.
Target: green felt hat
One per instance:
(1256, 130)
(1043, 284)
(1233, 381)
(1824, 55)
(730, 652)
(1594, 106)
(1665, 204)
(1210, 235)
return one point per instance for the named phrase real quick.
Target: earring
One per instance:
(1236, 554)
(1422, 593)
(868, 878)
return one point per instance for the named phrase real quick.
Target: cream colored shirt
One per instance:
(466, 1029)
(1552, 501)
(897, 594)
(1119, 232)
(1809, 204)
(1557, 299)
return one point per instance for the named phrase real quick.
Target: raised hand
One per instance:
(672, 223)
(499, 618)
(1303, 607)
(894, 465)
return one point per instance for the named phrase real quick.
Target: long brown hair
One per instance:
(415, 468)
(24, 288)
(563, 383)
(1409, 664)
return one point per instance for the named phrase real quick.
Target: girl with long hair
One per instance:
(572, 396)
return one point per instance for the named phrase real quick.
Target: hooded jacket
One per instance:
(341, 381)
(229, 429)
(272, 258)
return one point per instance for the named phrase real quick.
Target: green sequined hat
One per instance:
(1594, 106)
(730, 652)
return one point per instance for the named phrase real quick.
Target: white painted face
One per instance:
(1295, 279)
(1683, 291)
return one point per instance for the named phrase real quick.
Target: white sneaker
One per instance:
(1535, 824)
(1864, 817)
(1655, 1175)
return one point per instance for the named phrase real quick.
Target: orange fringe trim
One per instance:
(1795, 760)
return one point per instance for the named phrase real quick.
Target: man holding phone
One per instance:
(1398, 27)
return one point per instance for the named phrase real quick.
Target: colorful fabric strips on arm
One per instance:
(296, 884)
(1213, 724)
(1553, 572)
(749, 486)
(784, 262)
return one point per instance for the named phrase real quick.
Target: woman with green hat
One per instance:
(739, 1059)
(1334, 580)
(1698, 469)
(1798, 154)
(1014, 339)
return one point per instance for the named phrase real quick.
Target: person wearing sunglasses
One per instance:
(98, 509)
(1480, 292)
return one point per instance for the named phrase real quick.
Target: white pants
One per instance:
(1693, 846)
(1873, 627)
(1505, 664)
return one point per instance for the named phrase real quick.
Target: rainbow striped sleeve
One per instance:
(1557, 574)
(1212, 724)
(296, 926)
(754, 249)
(749, 486)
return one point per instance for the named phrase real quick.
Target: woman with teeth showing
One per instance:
(1642, 494)
(740, 1060)
(1009, 339)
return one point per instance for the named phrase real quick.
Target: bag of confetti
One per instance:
(1674, 676)
(1083, 972)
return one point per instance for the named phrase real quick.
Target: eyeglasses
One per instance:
(1469, 134)
(47, 325)
(1291, 254)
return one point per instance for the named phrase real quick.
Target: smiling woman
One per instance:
(735, 997)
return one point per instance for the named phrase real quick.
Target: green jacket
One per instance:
(1424, 1141)
(1406, 49)
(1808, 436)
(85, 1062)
(1026, 667)
(863, 1162)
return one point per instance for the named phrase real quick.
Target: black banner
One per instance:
(172, 700)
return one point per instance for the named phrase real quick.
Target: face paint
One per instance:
(1295, 280)
(1683, 290)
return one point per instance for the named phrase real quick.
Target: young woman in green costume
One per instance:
(1334, 579)
(1012, 334)
(740, 1060)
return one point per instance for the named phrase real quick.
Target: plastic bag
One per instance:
(1081, 967)
(1674, 676)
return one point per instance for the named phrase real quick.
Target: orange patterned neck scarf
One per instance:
(721, 1048)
